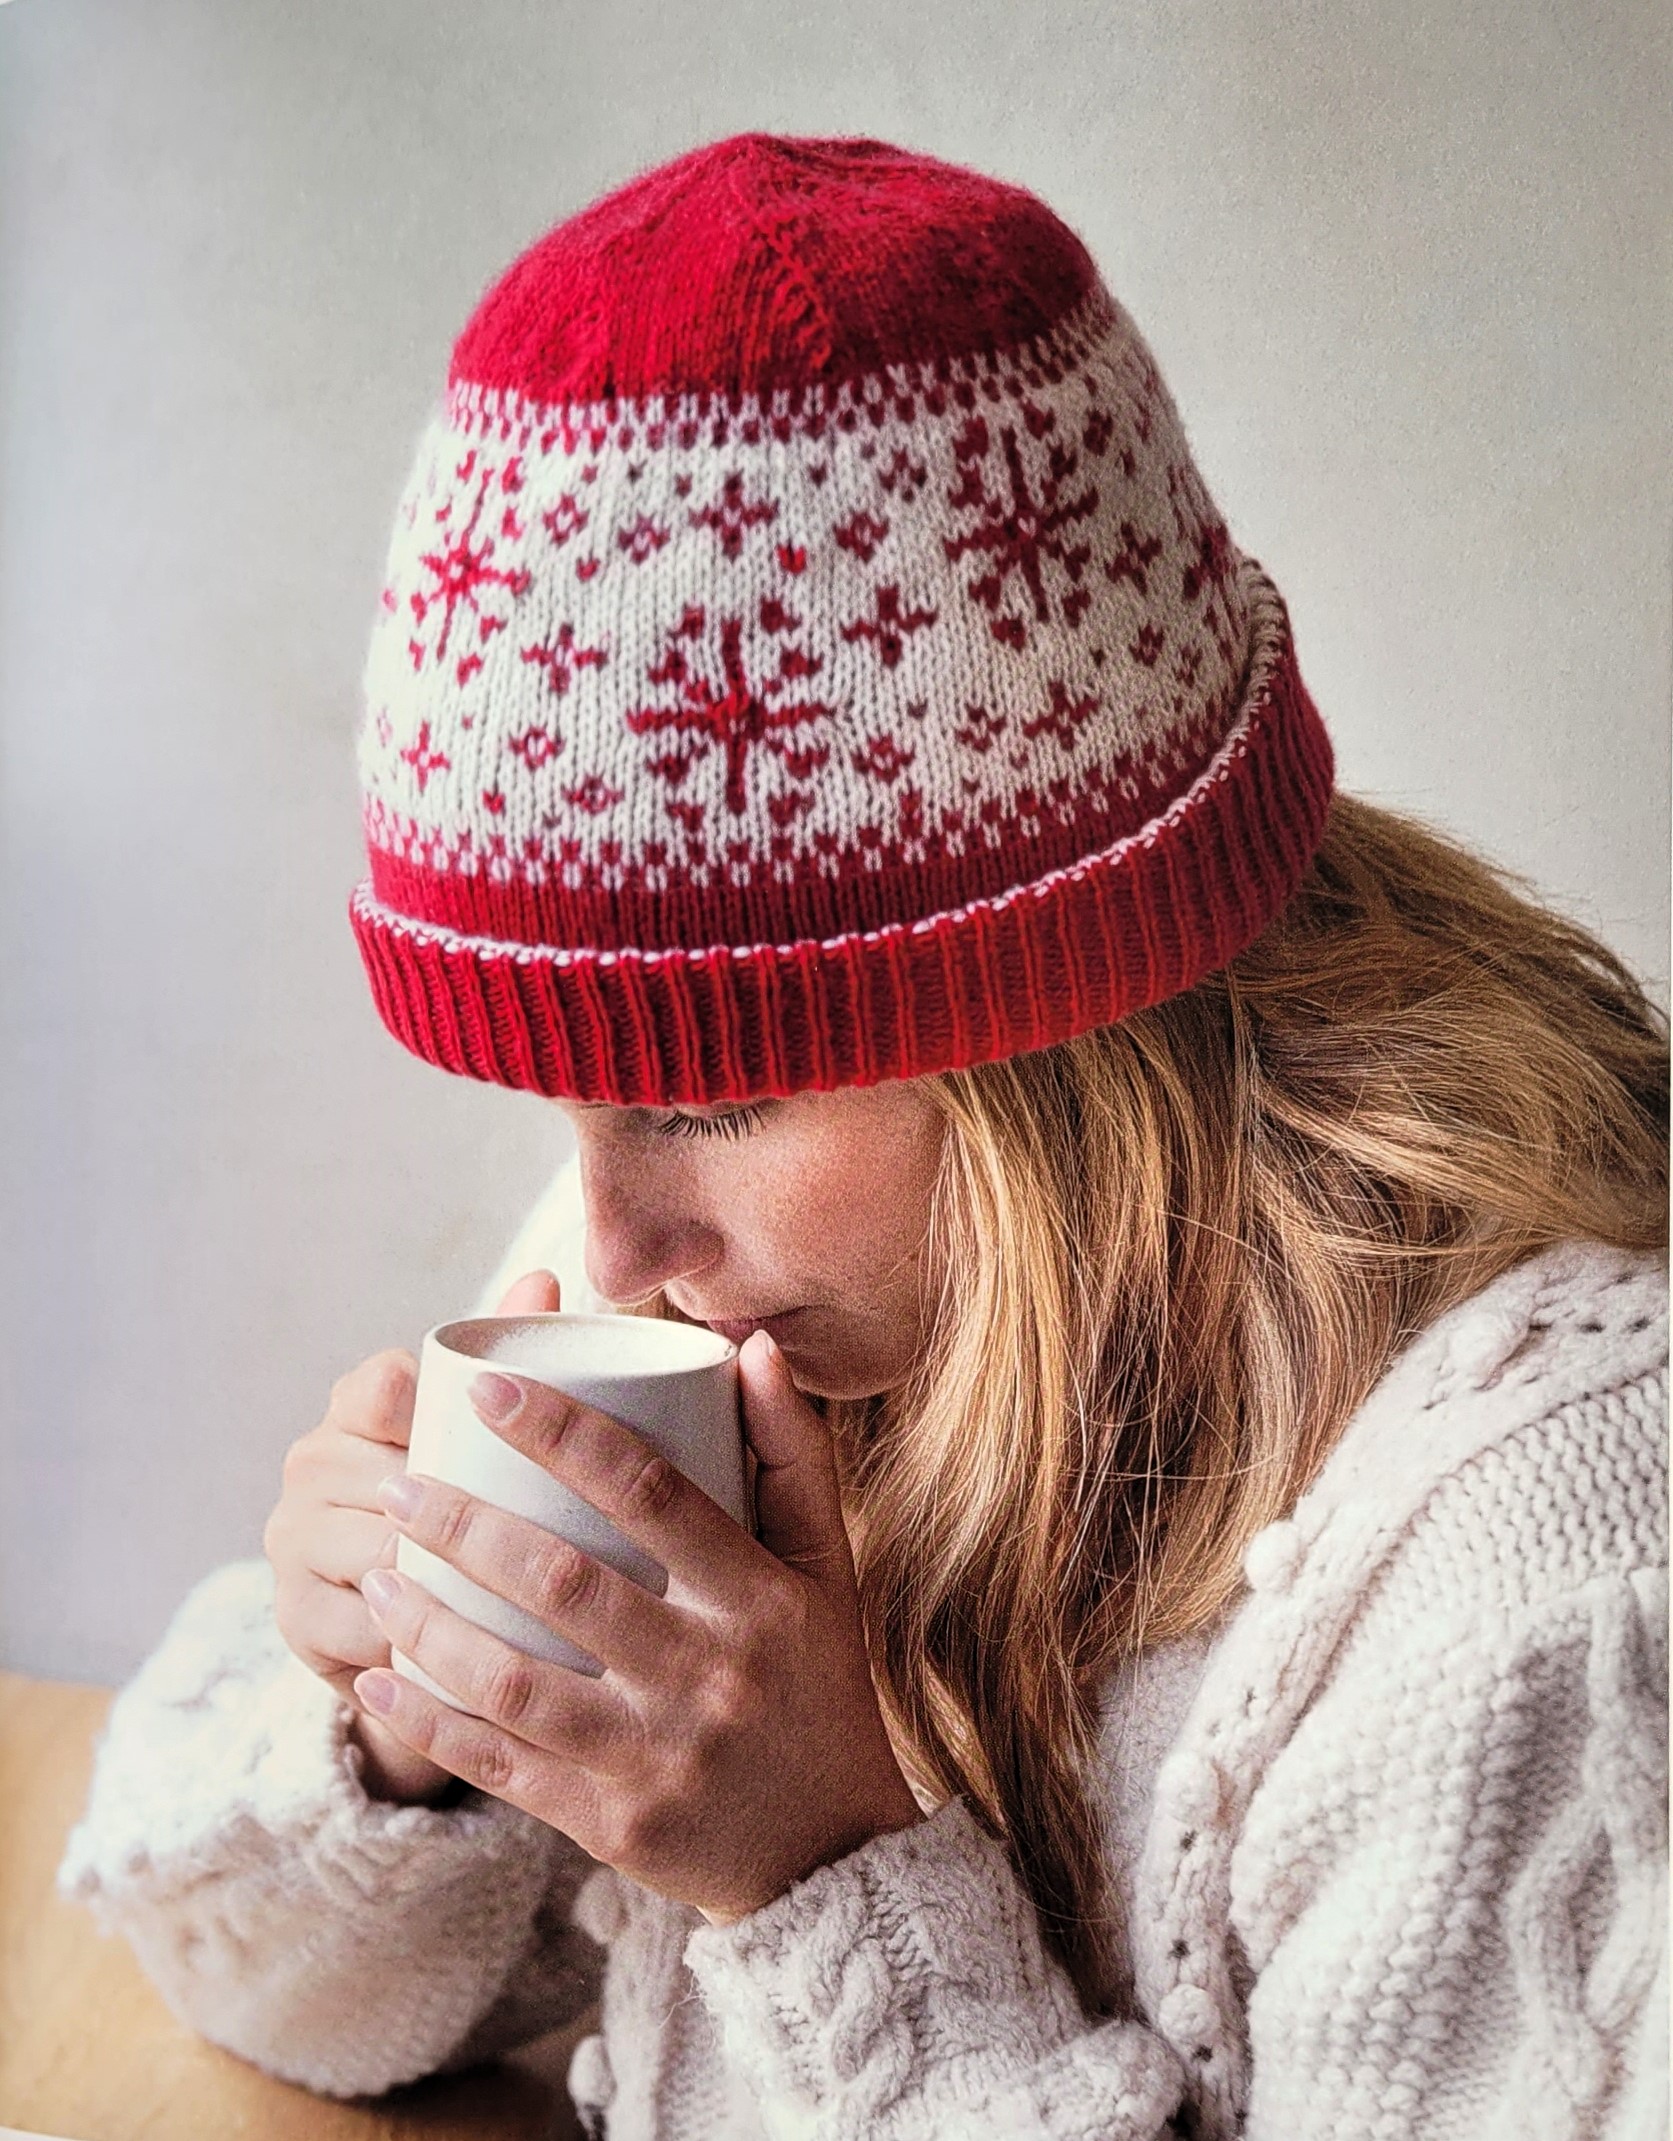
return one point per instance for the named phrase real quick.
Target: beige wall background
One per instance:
(1406, 268)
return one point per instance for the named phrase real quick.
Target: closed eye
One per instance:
(735, 1123)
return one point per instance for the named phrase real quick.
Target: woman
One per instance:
(1198, 1668)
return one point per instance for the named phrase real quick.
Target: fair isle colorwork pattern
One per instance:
(750, 710)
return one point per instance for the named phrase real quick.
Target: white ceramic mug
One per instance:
(674, 1383)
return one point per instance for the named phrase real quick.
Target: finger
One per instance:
(340, 1679)
(329, 1541)
(546, 1706)
(374, 1401)
(332, 1627)
(798, 1498)
(648, 1499)
(344, 1543)
(536, 1293)
(559, 1793)
(626, 1628)
(341, 1470)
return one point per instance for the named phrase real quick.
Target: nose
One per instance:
(640, 1233)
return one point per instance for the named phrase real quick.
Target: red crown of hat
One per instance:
(809, 654)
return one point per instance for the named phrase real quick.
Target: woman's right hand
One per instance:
(327, 1530)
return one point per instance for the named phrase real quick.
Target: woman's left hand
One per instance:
(734, 1742)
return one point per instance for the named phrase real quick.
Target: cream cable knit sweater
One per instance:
(1401, 1872)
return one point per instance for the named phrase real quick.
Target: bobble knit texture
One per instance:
(1400, 1872)
(809, 654)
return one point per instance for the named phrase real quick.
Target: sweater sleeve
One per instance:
(336, 1940)
(904, 1993)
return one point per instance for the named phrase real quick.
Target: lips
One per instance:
(738, 1328)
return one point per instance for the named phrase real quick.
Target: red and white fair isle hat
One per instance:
(809, 654)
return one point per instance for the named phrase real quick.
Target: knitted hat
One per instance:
(809, 654)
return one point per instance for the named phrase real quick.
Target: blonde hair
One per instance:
(1175, 1254)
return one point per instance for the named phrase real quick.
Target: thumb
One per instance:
(798, 1502)
(534, 1294)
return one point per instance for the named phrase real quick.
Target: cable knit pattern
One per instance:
(920, 1959)
(1401, 1871)
(1360, 1614)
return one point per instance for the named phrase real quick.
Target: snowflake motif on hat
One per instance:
(732, 515)
(459, 571)
(884, 759)
(1065, 716)
(566, 518)
(1135, 557)
(889, 625)
(728, 710)
(1018, 532)
(904, 472)
(593, 795)
(560, 657)
(980, 729)
(644, 539)
(423, 757)
(1213, 563)
(860, 533)
(536, 747)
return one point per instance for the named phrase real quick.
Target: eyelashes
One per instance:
(736, 1123)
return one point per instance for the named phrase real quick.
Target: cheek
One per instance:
(853, 1216)
(891, 1188)
(850, 1237)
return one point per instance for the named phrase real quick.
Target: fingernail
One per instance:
(380, 1589)
(399, 1496)
(377, 1691)
(496, 1397)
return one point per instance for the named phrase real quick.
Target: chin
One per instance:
(814, 1370)
(841, 1380)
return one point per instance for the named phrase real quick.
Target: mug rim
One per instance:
(703, 1348)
